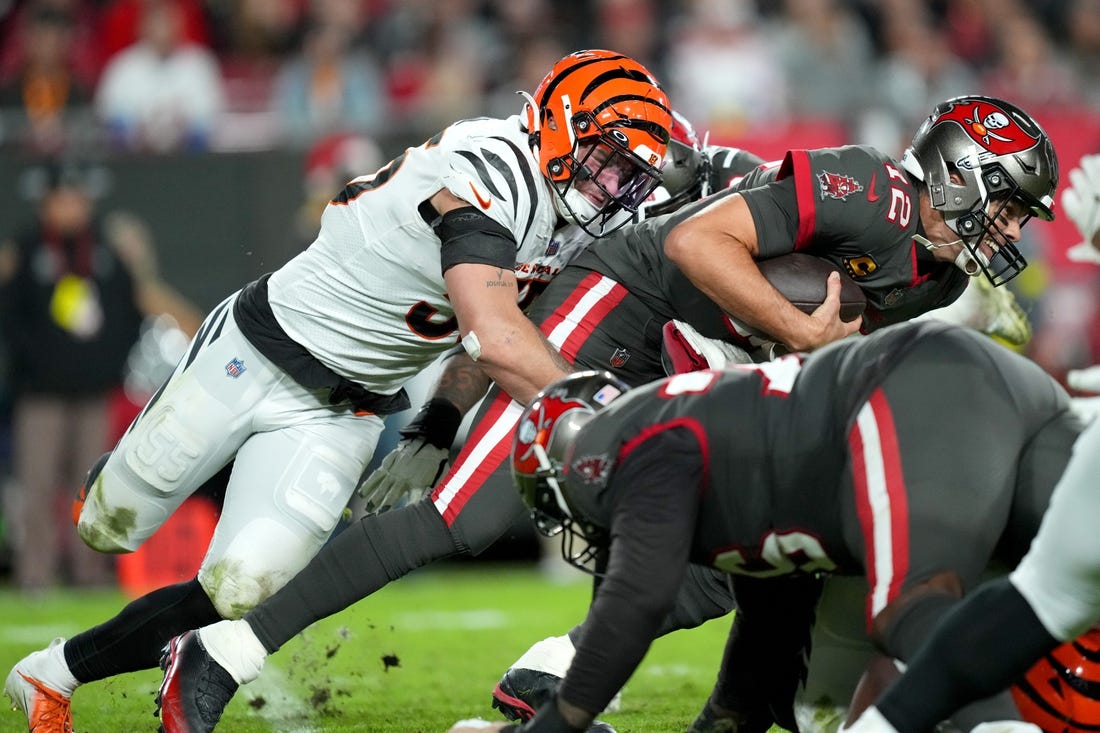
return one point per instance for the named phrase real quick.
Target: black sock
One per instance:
(133, 639)
(359, 561)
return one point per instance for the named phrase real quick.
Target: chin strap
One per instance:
(531, 119)
(965, 260)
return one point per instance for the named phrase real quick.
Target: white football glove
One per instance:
(1084, 380)
(406, 473)
(1081, 201)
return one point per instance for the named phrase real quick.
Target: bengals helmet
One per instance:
(544, 442)
(999, 154)
(1061, 692)
(599, 112)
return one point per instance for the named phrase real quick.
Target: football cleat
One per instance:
(534, 677)
(47, 710)
(195, 689)
(520, 692)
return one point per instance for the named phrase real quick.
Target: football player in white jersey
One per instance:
(291, 376)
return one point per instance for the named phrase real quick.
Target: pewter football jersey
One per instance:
(368, 298)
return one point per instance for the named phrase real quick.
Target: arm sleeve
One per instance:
(467, 236)
(656, 502)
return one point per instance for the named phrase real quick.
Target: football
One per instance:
(801, 279)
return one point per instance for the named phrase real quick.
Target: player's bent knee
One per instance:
(102, 526)
(108, 533)
(234, 593)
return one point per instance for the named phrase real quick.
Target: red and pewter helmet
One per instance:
(997, 154)
(686, 169)
(545, 437)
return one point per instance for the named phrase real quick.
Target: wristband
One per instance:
(437, 423)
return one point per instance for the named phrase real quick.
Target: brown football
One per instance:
(801, 279)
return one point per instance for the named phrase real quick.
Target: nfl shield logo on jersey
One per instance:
(619, 358)
(235, 368)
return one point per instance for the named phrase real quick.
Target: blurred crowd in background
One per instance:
(348, 83)
(160, 75)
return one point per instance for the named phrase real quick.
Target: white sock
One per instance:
(235, 647)
(52, 669)
(553, 655)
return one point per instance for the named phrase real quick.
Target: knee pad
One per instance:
(89, 479)
(101, 528)
(233, 593)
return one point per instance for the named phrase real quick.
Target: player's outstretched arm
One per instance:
(716, 249)
(503, 342)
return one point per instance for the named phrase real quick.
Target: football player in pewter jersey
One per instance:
(669, 474)
(290, 377)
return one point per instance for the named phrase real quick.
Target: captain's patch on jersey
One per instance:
(861, 266)
(235, 367)
(837, 186)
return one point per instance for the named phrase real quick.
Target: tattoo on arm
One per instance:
(462, 382)
(559, 361)
(500, 282)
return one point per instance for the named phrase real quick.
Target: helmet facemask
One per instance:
(983, 225)
(580, 542)
(603, 153)
(544, 442)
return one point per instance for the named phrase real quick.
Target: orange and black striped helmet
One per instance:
(1061, 692)
(599, 100)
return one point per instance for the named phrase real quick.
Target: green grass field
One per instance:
(421, 654)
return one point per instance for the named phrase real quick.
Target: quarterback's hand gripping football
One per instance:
(419, 459)
(1081, 200)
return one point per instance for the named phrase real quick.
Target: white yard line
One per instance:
(485, 618)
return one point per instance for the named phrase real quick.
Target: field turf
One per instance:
(417, 656)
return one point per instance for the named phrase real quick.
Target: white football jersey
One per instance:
(368, 298)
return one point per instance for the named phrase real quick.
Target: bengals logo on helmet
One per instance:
(992, 127)
(1061, 692)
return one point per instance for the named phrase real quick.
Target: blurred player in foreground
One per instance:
(669, 474)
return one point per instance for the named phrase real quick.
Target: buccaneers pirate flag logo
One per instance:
(837, 186)
(993, 128)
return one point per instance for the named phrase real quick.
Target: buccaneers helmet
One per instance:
(978, 154)
(686, 170)
(1061, 693)
(544, 442)
(599, 112)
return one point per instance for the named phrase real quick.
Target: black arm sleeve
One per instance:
(655, 495)
(468, 236)
(980, 648)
